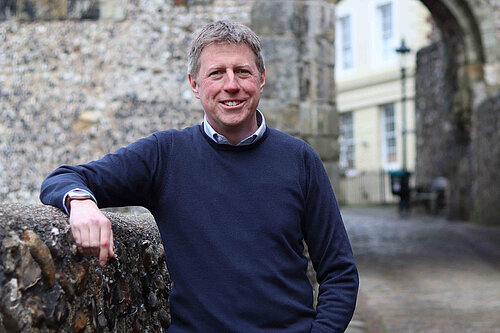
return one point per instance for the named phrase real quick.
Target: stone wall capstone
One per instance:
(46, 286)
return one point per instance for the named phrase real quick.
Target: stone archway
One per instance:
(443, 94)
(466, 60)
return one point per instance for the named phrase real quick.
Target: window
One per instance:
(389, 147)
(386, 29)
(345, 38)
(346, 141)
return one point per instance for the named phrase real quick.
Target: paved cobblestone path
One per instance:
(424, 274)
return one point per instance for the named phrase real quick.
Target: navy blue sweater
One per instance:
(232, 220)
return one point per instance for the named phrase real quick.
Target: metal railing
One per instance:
(365, 187)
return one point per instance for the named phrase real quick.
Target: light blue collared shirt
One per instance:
(221, 139)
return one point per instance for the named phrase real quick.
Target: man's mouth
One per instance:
(232, 103)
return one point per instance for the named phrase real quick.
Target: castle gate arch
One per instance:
(468, 79)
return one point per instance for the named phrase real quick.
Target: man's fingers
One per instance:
(91, 230)
(104, 242)
(81, 236)
(84, 236)
(111, 245)
(78, 238)
(94, 238)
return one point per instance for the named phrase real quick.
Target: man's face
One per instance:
(229, 87)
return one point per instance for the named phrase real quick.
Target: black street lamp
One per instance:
(403, 51)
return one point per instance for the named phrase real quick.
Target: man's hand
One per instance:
(91, 230)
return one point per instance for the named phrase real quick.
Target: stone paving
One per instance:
(423, 273)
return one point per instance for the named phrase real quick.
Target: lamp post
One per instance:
(403, 51)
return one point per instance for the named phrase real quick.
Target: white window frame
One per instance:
(386, 26)
(384, 53)
(340, 70)
(347, 146)
(386, 135)
(346, 47)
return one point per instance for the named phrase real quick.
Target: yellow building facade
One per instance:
(370, 94)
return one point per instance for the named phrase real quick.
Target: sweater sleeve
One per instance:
(330, 250)
(123, 178)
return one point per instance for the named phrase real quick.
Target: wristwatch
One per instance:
(78, 194)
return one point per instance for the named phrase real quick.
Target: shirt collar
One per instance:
(220, 139)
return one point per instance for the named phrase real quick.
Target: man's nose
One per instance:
(231, 82)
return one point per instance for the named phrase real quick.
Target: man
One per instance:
(233, 200)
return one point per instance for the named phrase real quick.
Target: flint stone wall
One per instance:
(46, 286)
(73, 90)
(30, 10)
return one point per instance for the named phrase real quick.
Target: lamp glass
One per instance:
(403, 52)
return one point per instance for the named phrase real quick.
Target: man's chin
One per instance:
(234, 122)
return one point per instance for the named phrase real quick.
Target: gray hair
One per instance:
(223, 32)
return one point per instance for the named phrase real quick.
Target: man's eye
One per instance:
(215, 73)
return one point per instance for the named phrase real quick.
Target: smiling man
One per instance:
(229, 84)
(233, 199)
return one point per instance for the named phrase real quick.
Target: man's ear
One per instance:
(262, 80)
(194, 86)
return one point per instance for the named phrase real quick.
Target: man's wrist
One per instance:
(76, 194)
